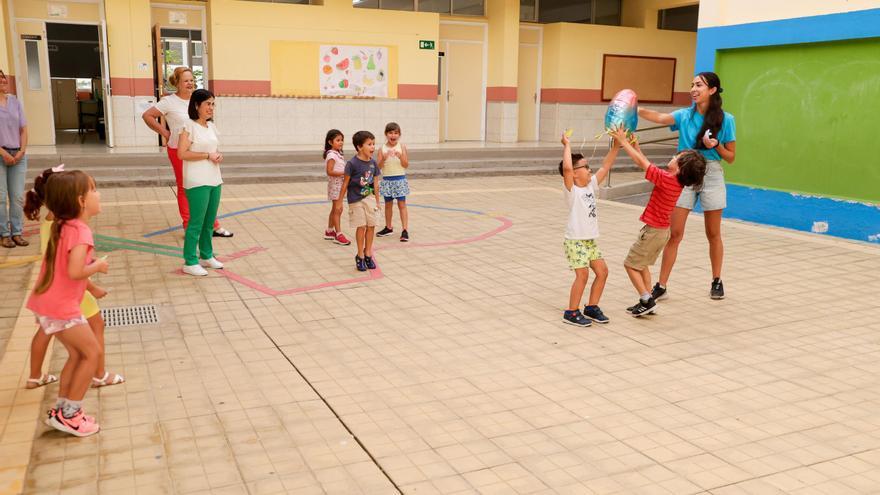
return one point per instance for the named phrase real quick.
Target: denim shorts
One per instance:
(713, 194)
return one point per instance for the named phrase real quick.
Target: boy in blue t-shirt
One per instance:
(361, 181)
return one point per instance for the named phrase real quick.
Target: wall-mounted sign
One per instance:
(426, 44)
(57, 9)
(36, 37)
(176, 17)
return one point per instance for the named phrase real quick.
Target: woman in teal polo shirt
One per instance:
(705, 127)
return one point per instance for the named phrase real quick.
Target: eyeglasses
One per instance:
(579, 166)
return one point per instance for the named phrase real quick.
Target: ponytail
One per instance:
(35, 198)
(49, 261)
(714, 114)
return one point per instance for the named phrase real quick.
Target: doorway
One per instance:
(462, 91)
(75, 78)
(177, 48)
(527, 95)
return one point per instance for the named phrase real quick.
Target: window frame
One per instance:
(416, 9)
(593, 3)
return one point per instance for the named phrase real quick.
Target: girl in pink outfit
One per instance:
(335, 165)
(73, 200)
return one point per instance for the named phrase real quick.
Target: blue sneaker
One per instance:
(359, 263)
(574, 317)
(368, 260)
(595, 314)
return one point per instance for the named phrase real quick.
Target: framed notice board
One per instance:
(652, 78)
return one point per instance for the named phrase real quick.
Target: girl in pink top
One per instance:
(73, 200)
(335, 165)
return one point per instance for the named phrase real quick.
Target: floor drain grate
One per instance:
(125, 316)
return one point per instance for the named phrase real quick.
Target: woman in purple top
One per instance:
(13, 143)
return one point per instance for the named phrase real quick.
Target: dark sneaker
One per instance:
(643, 308)
(359, 263)
(576, 318)
(717, 290)
(384, 232)
(595, 314)
(658, 293)
(368, 260)
(404, 236)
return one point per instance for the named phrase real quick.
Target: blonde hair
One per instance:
(174, 78)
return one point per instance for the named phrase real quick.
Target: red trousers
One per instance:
(182, 203)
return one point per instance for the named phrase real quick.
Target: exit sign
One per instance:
(426, 44)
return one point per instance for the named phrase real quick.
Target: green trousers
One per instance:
(203, 204)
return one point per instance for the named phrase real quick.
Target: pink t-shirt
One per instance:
(64, 295)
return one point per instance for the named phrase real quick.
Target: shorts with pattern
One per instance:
(334, 187)
(647, 248)
(580, 252)
(713, 194)
(396, 187)
(54, 325)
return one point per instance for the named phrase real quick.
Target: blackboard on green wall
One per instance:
(807, 117)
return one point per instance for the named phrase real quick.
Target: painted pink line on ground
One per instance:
(242, 254)
(372, 274)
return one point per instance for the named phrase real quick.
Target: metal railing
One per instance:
(663, 141)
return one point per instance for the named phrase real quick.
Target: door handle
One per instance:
(448, 94)
(535, 97)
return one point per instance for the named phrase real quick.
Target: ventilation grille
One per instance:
(126, 316)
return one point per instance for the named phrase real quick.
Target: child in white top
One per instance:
(581, 232)
(393, 160)
(335, 166)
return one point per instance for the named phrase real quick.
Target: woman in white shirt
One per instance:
(197, 147)
(175, 110)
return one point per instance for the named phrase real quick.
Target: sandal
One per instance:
(7, 243)
(42, 380)
(19, 240)
(103, 382)
(221, 232)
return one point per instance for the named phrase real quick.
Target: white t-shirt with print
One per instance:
(176, 112)
(583, 218)
(201, 172)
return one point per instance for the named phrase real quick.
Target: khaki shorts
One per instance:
(363, 213)
(647, 247)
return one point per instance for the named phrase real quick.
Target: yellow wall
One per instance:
(728, 12)
(5, 43)
(241, 35)
(503, 42)
(527, 35)
(463, 32)
(129, 36)
(38, 9)
(573, 52)
(160, 17)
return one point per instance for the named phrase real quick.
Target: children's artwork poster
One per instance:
(353, 70)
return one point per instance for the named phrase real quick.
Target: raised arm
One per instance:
(635, 154)
(567, 167)
(609, 162)
(656, 117)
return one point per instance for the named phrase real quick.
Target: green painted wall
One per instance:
(807, 117)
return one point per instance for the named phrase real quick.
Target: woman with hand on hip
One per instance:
(13, 143)
(707, 128)
(201, 182)
(175, 109)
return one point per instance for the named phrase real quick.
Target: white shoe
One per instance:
(211, 263)
(195, 270)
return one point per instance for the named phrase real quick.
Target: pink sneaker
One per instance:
(50, 415)
(329, 235)
(341, 239)
(77, 425)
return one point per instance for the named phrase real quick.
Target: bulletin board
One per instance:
(652, 78)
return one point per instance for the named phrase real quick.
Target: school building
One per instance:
(288, 70)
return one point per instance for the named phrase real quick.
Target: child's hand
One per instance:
(619, 135)
(98, 292)
(708, 141)
(565, 141)
(101, 265)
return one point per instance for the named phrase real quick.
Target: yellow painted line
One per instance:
(21, 261)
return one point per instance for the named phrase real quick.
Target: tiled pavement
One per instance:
(452, 373)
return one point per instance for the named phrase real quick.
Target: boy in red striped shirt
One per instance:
(685, 169)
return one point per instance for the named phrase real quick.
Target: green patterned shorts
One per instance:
(580, 252)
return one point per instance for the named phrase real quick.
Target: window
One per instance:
(582, 11)
(32, 54)
(528, 10)
(84, 85)
(679, 19)
(457, 7)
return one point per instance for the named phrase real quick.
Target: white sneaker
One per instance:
(195, 270)
(211, 263)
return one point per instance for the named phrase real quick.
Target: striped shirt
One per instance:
(663, 198)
